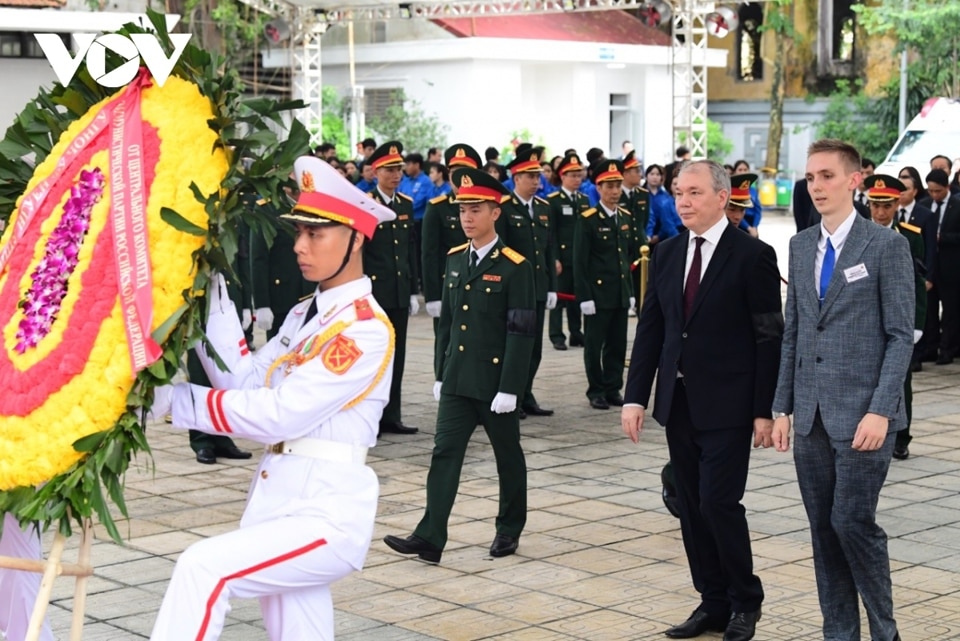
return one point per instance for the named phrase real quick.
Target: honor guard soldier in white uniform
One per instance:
(314, 394)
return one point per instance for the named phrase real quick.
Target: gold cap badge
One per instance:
(466, 182)
(460, 153)
(306, 182)
(393, 149)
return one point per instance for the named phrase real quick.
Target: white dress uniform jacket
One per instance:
(309, 517)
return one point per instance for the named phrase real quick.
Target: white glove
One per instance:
(247, 319)
(217, 295)
(633, 303)
(162, 402)
(433, 308)
(503, 403)
(917, 335)
(588, 308)
(414, 305)
(551, 300)
(436, 390)
(264, 316)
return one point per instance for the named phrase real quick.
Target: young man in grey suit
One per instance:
(846, 349)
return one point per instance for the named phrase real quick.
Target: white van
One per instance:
(935, 131)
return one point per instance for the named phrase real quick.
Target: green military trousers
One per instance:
(457, 418)
(604, 352)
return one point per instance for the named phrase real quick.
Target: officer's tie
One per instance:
(903, 215)
(311, 312)
(693, 278)
(936, 210)
(829, 259)
(473, 263)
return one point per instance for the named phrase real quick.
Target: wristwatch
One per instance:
(777, 415)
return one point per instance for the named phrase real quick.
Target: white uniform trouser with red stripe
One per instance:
(286, 563)
(18, 590)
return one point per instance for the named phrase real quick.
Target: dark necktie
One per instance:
(473, 262)
(903, 215)
(826, 271)
(862, 198)
(693, 279)
(311, 312)
(936, 210)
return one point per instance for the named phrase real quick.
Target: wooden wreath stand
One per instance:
(51, 568)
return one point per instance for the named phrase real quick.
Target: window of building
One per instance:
(379, 100)
(14, 44)
(749, 58)
(837, 38)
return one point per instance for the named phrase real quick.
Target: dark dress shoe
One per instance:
(389, 427)
(560, 346)
(944, 359)
(928, 357)
(413, 544)
(599, 404)
(698, 623)
(742, 626)
(521, 414)
(504, 545)
(901, 452)
(206, 455)
(916, 366)
(232, 451)
(534, 409)
(576, 341)
(615, 400)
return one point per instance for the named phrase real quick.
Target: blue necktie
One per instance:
(829, 258)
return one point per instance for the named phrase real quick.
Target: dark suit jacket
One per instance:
(923, 218)
(804, 213)
(948, 247)
(729, 347)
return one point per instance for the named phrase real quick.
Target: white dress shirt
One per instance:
(386, 199)
(838, 238)
(483, 251)
(908, 209)
(710, 237)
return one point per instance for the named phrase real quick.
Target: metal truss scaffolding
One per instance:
(689, 66)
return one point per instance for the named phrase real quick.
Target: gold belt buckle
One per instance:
(276, 448)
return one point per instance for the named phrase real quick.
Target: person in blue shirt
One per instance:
(439, 179)
(368, 178)
(416, 184)
(751, 218)
(664, 220)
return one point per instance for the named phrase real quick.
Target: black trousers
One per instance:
(950, 321)
(710, 467)
(399, 319)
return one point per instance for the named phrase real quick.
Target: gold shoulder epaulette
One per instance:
(438, 199)
(405, 197)
(646, 191)
(262, 202)
(909, 227)
(589, 212)
(370, 193)
(539, 199)
(514, 256)
(553, 195)
(458, 248)
(624, 211)
(505, 198)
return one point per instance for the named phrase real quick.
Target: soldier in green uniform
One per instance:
(442, 231)
(278, 283)
(636, 200)
(566, 205)
(390, 262)
(883, 194)
(601, 274)
(524, 226)
(485, 339)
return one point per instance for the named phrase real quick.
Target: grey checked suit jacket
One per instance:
(851, 356)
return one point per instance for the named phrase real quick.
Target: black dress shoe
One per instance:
(389, 427)
(413, 544)
(615, 400)
(576, 341)
(232, 451)
(698, 623)
(504, 545)
(599, 404)
(944, 359)
(521, 414)
(901, 452)
(916, 366)
(560, 346)
(533, 409)
(742, 626)
(206, 455)
(929, 357)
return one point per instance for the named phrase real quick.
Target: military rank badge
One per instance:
(341, 354)
(495, 278)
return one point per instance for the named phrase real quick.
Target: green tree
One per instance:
(405, 120)
(779, 20)
(853, 117)
(718, 145)
(334, 128)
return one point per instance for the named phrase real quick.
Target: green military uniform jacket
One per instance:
(601, 259)
(389, 259)
(441, 232)
(914, 236)
(637, 202)
(487, 323)
(278, 283)
(531, 238)
(564, 212)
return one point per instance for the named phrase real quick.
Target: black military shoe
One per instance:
(534, 409)
(698, 623)
(504, 545)
(389, 427)
(576, 341)
(206, 455)
(901, 452)
(232, 451)
(413, 544)
(560, 347)
(615, 400)
(742, 626)
(599, 404)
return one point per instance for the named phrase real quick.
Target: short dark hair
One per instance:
(432, 151)
(938, 176)
(325, 147)
(866, 163)
(594, 154)
(491, 153)
(414, 157)
(369, 143)
(947, 158)
(682, 151)
(849, 155)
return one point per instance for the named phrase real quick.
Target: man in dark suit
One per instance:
(943, 334)
(804, 213)
(710, 331)
(913, 213)
(847, 344)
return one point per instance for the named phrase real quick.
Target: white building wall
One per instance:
(21, 79)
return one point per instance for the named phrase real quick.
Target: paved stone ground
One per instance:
(600, 558)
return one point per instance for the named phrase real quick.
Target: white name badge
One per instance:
(567, 210)
(855, 273)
